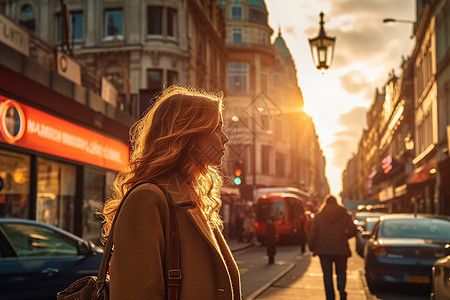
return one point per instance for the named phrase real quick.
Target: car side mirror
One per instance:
(366, 235)
(85, 249)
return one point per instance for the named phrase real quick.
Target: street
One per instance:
(299, 276)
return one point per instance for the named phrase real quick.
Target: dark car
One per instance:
(360, 217)
(365, 228)
(440, 287)
(402, 248)
(38, 260)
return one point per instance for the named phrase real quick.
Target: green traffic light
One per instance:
(237, 180)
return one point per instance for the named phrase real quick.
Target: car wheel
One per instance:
(371, 282)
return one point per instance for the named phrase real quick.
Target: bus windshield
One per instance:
(275, 209)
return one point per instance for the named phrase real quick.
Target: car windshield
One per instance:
(426, 228)
(370, 224)
(275, 209)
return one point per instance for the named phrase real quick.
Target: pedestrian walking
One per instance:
(271, 239)
(179, 145)
(330, 231)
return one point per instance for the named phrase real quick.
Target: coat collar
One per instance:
(180, 191)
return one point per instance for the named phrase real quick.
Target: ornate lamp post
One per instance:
(322, 47)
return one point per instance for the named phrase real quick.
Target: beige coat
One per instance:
(137, 264)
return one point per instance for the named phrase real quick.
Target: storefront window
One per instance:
(94, 186)
(56, 193)
(14, 185)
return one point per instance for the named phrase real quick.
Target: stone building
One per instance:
(269, 131)
(410, 160)
(137, 46)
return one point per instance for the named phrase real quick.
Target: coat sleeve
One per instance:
(314, 231)
(351, 227)
(137, 263)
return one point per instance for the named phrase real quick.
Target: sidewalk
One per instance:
(302, 279)
(238, 246)
(305, 281)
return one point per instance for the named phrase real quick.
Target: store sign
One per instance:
(386, 194)
(109, 92)
(68, 68)
(14, 36)
(30, 128)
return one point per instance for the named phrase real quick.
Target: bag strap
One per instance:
(174, 271)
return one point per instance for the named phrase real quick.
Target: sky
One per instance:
(366, 52)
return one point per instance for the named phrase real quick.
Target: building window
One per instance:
(172, 77)
(258, 16)
(27, 17)
(76, 28)
(93, 196)
(55, 201)
(237, 35)
(15, 193)
(265, 159)
(156, 25)
(264, 82)
(114, 23)
(154, 79)
(236, 13)
(238, 77)
(171, 21)
(154, 14)
(280, 163)
(76, 25)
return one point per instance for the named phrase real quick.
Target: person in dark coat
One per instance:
(271, 239)
(330, 231)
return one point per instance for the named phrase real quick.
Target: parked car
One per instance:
(288, 211)
(360, 217)
(38, 260)
(440, 287)
(402, 248)
(365, 228)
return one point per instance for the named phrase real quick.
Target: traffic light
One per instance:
(238, 172)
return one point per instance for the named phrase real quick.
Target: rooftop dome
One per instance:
(280, 44)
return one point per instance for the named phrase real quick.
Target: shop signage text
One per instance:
(33, 129)
(14, 36)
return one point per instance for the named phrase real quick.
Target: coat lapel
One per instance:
(199, 220)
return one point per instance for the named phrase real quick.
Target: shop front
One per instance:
(53, 170)
(421, 187)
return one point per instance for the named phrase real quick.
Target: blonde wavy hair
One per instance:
(164, 141)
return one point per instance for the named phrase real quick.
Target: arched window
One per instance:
(27, 17)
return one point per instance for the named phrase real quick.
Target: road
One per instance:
(295, 275)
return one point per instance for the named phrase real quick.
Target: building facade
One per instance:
(86, 83)
(61, 143)
(269, 131)
(411, 170)
(137, 46)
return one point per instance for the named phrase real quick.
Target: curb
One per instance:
(263, 288)
(369, 295)
(242, 248)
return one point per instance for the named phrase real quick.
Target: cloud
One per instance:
(289, 30)
(362, 39)
(356, 117)
(354, 82)
(346, 140)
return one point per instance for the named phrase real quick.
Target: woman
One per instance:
(179, 143)
(330, 231)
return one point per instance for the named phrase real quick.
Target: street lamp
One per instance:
(390, 20)
(322, 47)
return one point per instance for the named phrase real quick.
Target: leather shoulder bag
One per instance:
(97, 287)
